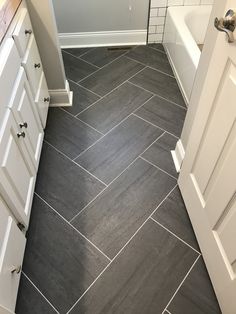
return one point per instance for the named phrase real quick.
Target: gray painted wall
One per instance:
(75, 16)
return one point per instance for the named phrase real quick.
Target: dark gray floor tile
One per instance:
(64, 185)
(152, 58)
(143, 277)
(173, 215)
(68, 134)
(112, 75)
(76, 69)
(102, 55)
(77, 52)
(116, 215)
(157, 46)
(29, 300)
(160, 84)
(58, 260)
(113, 153)
(196, 295)
(82, 98)
(160, 154)
(164, 114)
(112, 109)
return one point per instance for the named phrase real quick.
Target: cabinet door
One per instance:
(17, 172)
(42, 100)
(33, 65)
(26, 115)
(12, 246)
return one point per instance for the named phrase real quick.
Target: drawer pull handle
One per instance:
(21, 134)
(28, 31)
(23, 125)
(16, 270)
(47, 99)
(37, 65)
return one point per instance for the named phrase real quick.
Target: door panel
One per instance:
(208, 175)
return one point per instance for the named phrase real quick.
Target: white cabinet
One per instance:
(26, 116)
(17, 172)
(12, 246)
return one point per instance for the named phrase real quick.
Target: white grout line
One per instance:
(70, 80)
(40, 292)
(117, 177)
(162, 170)
(167, 312)
(67, 222)
(175, 235)
(150, 67)
(112, 129)
(74, 162)
(78, 57)
(120, 251)
(136, 115)
(80, 120)
(90, 49)
(118, 86)
(181, 283)
(159, 96)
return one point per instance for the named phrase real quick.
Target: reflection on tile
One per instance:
(117, 213)
(30, 301)
(103, 55)
(152, 58)
(63, 184)
(112, 109)
(160, 154)
(60, 262)
(143, 277)
(77, 52)
(196, 295)
(173, 215)
(160, 84)
(112, 75)
(68, 134)
(114, 152)
(76, 69)
(82, 98)
(164, 114)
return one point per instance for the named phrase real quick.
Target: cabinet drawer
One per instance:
(17, 172)
(11, 256)
(42, 100)
(9, 67)
(22, 32)
(32, 65)
(27, 117)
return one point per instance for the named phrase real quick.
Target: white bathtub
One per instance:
(185, 29)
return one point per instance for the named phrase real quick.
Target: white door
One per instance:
(208, 174)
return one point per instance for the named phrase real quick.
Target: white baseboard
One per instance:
(61, 97)
(178, 155)
(100, 39)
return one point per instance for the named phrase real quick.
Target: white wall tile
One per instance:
(191, 2)
(162, 12)
(154, 12)
(155, 38)
(152, 29)
(158, 3)
(157, 20)
(175, 2)
(207, 2)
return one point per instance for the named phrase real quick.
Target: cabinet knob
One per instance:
(46, 99)
(16, 270)
(28, 31)
(37, 65)
(21, 134)
(23, 125)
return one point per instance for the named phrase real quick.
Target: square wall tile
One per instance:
(153, 12)
(158, 3)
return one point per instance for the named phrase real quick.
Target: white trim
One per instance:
(99, 39)
(178, 155)
(61, 97)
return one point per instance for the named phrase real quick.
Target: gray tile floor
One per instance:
(109, 231)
